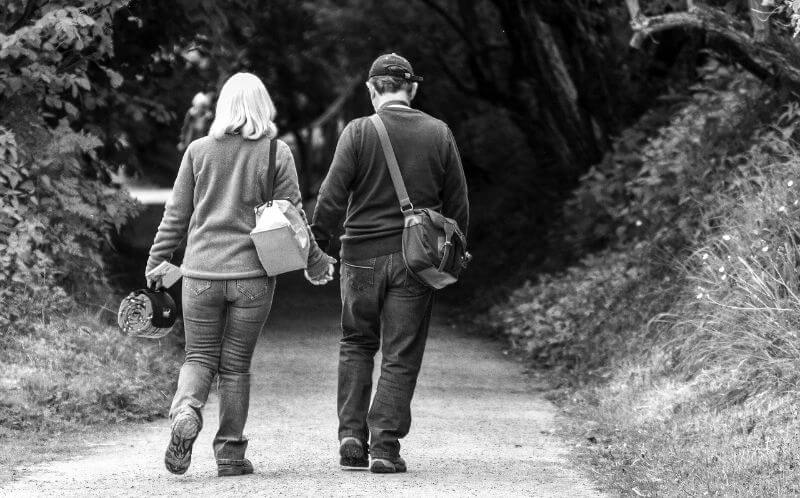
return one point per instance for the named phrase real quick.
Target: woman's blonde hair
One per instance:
(245, 107)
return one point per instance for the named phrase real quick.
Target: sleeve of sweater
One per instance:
(177, 213)
(335, 190)
(455, 203)
(287, 187)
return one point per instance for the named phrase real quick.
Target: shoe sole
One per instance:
(178, 456)
(233, 473)
(380, 468)
(353, 457)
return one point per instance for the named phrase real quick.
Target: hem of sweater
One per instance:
(355, 249)
(212, 275)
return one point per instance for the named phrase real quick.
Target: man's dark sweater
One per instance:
(359, 183)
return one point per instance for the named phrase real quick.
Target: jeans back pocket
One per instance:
(358, 275)
(253, 288)
(196, 285)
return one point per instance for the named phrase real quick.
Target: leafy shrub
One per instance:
(700, 216)
(582, 318)
(656, 185)
(57, 210)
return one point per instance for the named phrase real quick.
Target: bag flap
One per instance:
(270, 217)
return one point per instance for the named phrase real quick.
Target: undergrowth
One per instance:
(74, 369)
(679, 340)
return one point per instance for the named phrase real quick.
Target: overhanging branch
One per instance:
(766, 59)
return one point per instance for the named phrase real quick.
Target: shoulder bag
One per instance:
(281, 232)
(434, 248)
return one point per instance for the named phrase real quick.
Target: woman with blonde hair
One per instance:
(226, 292)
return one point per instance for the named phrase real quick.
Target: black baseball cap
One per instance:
(393, 65)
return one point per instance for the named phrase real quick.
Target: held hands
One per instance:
(324, 277)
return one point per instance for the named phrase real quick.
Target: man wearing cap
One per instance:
(380, 298)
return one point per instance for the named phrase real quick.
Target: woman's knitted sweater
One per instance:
(219, 183)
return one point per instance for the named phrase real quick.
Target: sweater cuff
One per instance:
(151, 264)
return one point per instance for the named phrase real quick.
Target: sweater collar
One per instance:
(402, 103)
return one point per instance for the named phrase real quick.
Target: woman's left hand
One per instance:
(327, 277)
(154, 282)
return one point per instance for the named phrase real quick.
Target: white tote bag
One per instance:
(281, 233)
(281, 237)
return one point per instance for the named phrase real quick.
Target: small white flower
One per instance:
(724, 277)
(700, 296)
(790, 183)
(722, 269)
(705, 256)
(782, 209)
(726, 237)
(765, 249)
(638, 223)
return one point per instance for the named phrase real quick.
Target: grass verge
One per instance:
(664, 437)
(73, 372)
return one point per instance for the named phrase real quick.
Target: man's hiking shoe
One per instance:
(386, 466)
(226, 468)
(185, 428)
(353, 454)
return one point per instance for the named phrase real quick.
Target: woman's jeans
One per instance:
(222, 319)
(382, 306)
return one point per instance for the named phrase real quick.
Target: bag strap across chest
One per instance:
(273, 151)
(394, 167)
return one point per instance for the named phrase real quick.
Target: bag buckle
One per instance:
(407, 208)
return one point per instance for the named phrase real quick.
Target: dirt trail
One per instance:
(479, 427)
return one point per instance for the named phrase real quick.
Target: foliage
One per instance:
(741, 316)
(582, 319)
(657, 187)
(698, 374)
(57, 210)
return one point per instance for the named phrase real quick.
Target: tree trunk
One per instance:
(549, 60)
(550, 66)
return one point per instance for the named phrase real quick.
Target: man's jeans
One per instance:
(222, 319)
(380, 299)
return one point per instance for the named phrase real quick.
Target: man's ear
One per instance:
(372, 91)
(413, 93)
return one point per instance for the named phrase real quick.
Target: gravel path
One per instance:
(479, 427)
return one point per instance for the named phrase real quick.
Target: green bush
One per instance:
(689, 319)
(659, 181)
(700, 217)
(57, 208)
(582, 318)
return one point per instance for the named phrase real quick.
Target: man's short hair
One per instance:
(390, 84)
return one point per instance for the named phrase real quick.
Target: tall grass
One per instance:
(741, 315)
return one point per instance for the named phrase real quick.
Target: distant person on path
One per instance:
(380, 298)
(226, 293)
(197, 120)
